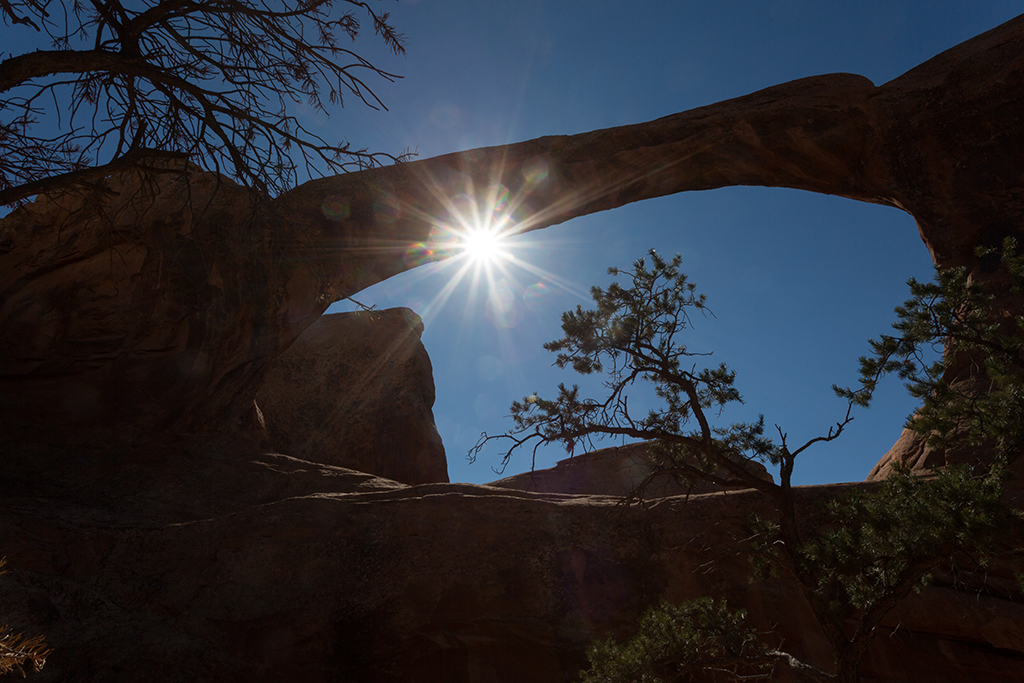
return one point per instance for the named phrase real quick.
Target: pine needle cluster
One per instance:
(877, 545)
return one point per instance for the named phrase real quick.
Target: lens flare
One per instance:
(336, 208)
(475, 242)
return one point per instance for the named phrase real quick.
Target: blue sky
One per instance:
(798, 281)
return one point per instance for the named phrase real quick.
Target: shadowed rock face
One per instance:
(141, 309)
(355, 390)
(239, 565)
(161, 308)
(149, 538)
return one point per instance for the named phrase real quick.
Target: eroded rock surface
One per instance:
(214, 561)
(153, 304)
(156, 303)
(356, 390)
(148, 538)
(617, 471)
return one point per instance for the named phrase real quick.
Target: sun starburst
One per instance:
(477, 244)
(483, 247)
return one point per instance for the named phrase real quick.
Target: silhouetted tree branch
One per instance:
(216, 82)
(876, 546)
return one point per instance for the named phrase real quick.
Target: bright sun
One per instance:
(474, 244)
(483, 246)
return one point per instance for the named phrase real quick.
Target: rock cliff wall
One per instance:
(356, 390)
(151, 537)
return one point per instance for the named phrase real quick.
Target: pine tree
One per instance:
(878, 546)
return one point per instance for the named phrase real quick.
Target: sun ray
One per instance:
(470, 247)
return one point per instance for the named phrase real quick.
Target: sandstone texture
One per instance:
(149, 307)
(629, 470)
(356, 390)
(156, 302)
(153, 533)
(215, 561)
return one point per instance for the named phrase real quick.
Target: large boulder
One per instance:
(356, 390)
(628, 470)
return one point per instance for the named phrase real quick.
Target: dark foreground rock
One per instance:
(218, 562)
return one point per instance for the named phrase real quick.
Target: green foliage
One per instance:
(885, 542)
(675, 641)
(879, 546)
(974, 393)
(876, 545)
(646, 316)
(632, 334)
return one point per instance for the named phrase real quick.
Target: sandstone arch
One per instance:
(202, 557)
(161, 309)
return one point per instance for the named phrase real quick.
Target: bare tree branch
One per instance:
(214, 80)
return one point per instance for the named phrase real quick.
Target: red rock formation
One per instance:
(236, 565)
(136, 316)
(355, 390)
(616, 471)
(153, 305)
(209, 284)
